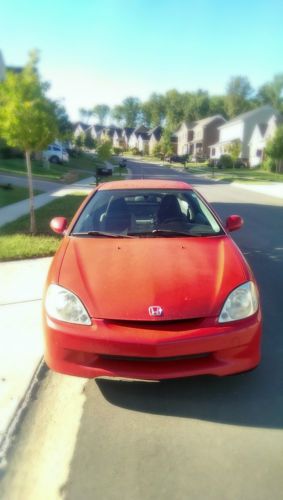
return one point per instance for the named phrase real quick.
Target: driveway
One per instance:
(196, 438)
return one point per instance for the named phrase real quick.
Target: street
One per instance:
(196, 438)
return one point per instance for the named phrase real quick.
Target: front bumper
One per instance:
(152, 351)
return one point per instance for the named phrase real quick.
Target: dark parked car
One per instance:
(104, 171)
(177, 158)
(123, 162)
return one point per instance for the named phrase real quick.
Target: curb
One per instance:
(19, 412)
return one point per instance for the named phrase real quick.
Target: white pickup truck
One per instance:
(55, 154)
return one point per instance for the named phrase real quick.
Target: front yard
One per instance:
(17, 243)
(13, 194)
(254, 175)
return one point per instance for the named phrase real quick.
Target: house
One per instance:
(2, 67)
(194, 138)
(126, 134)
(143, 142)
(133, 140)
(109, 132)
(154, 137)
(95, 131)
(80, 129)
(117, 138)
(240, 129)
(262, 133)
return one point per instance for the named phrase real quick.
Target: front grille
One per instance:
(154, 360)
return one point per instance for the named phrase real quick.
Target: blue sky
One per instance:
(95, 51)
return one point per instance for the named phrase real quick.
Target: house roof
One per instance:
(156, 132)
(127, 131)
(203, 122)
(84, 126)
(144, 135)
(248, 114)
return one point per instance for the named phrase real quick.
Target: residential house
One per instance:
(154, 137)
(262, 133)
(133, 140)
(2, 67)
(126, 134)
(80, 129)
(240, 129)
(95, 131)
(117, 139)
(143, 142)
(194, 138)
(109, 132)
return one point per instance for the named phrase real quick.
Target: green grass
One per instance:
(8, 196)
(16, 243)
(254, 175)
(77, 168)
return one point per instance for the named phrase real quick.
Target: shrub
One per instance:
(135, 151)
(269, 164)
(117, 151)
(225, 161)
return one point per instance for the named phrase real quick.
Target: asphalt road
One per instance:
(197, 438)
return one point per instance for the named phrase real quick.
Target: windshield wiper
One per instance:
(101, 233)
(163, 232)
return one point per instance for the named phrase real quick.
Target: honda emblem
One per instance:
(155, 311)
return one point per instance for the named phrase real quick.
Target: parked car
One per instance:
(55, 154)
(148, 284)
(105, 171)
(123, 162)
(177, 158)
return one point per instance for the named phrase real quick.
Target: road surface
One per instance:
(197, 438)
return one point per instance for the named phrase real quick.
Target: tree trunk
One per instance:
(30, 186)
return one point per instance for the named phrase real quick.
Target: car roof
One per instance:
(144, 184)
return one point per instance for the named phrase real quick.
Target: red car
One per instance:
(148, 284)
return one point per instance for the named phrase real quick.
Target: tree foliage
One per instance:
(129, 113)
(238, 98)
(101, 111)
(28, 119)
(274, 149)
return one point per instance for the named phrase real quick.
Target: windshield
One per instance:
(146, 213)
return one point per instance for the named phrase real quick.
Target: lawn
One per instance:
(75, 169)
(254, 175)
(8, 196)
(16, 243)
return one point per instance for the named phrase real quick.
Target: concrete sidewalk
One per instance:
(274, 189)
(21, 351)
(12, 212)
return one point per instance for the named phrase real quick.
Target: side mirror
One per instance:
(234, 222)
(59, 224)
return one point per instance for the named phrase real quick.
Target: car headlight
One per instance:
(241, 303)
(66, 306)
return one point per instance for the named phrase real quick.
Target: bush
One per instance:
(6, 152)
(117, 151)
(269, 165)
(135, 151)
(225, 161)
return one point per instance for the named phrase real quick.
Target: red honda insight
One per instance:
(148, 284)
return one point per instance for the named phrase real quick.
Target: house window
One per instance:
(213, 152)
(259, 153)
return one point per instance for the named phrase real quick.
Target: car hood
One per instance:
(121, 278)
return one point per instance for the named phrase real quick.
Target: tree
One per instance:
(234, 151)
(129, 112)
(274, 149)
(85, 114)
(101, 111)
(28, 119)
(238, 98)
(104, 150)
(89, 141)
(166, 148)
(175, 108)
(272, 93)
(153, 110)
(65, 129)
